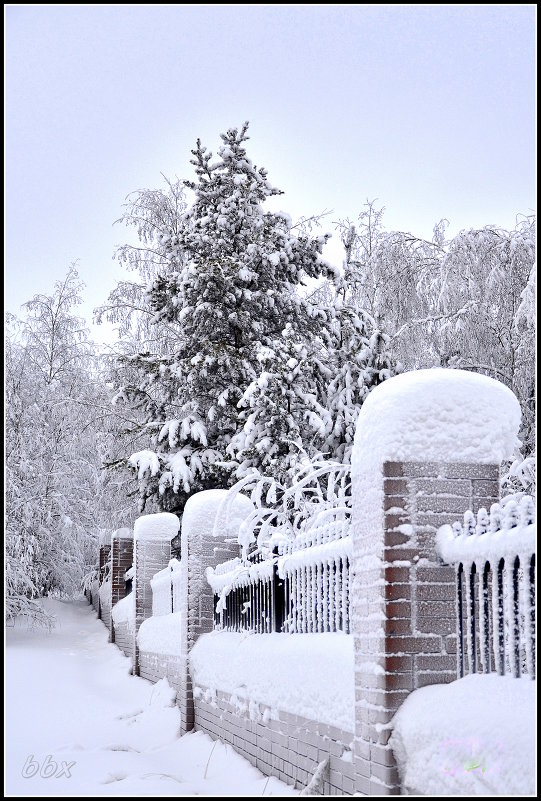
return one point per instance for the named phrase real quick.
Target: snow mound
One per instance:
(439, 415)
(159, 526)
(161, 634)
(202, 509)
(162, 694)
(305, 674)
(124, 610)
(475, 736)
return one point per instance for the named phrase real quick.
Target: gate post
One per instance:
(428, 446)
(104, 553)
(152, 535)
(121, 560)
(201, 549)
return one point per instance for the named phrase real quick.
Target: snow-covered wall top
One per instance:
(161, 635)
(202, 508)
(122, 534)
(438, 416)
(470, 738)
(304, 674)
(124, 610)
(163, 525)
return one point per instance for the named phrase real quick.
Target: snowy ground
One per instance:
(473, 737)
(70, 699)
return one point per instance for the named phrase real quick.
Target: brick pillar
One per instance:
(200, 549)
(152, 535)
(410, 475)
(121, 560)
(105, 550)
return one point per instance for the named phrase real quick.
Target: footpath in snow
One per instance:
(73, 710)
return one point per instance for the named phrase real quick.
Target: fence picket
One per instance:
(496, 618)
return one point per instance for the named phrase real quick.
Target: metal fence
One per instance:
(494, 558)
(302, 586)
(294, 573)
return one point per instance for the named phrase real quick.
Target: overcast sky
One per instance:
(430, 109)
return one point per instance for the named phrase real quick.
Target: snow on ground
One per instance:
(475, 736)
(70, 698)
(305, 674)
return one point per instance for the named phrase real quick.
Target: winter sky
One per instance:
(429, 109)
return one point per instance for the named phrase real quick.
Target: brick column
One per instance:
(403, 598)
(200, 549)
(121, 560)
(105, 550)
(152, 552)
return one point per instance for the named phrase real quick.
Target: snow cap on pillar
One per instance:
(122, 534)
(161, 526)
(438, 415)
(215, 513)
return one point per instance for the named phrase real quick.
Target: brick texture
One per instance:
(290, 747)
(414, 596)
(199, 550)
(124, 639)
(151, 555)
(121, 560)
(105, 550)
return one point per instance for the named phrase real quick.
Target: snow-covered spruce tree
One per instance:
(283, 423)
(229, 289)
(133, 365)
(359, 353)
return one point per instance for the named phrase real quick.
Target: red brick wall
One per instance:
(404, 603)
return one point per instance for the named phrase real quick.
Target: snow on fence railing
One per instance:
(317, 584)
(494, 557)
(298, 577)
(291, 513)
(248, 596)
(166, 589)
